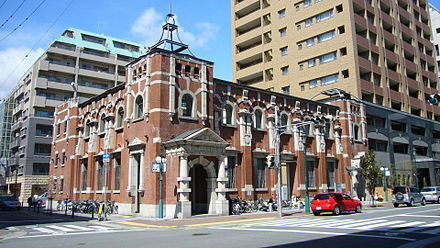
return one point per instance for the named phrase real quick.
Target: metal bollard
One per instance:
(93, 211)
(73, 211)
(38, 207)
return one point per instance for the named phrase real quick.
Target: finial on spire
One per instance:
(171, 6)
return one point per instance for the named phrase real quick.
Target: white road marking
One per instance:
(76, 233)
(422, 216)
(355, 225)
(82, 228)
(101, 227)
(314, 232)
(437, 223)
(369, 227)
(63, 229)
(45, 230)
(408, 224)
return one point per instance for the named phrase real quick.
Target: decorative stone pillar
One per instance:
(222, 207)
(184, 190)
(212, 196)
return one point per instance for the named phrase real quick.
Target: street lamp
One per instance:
(386, 172)
(304, 141)
(415, 165)
(161, 160)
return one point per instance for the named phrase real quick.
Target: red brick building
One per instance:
(216, 137)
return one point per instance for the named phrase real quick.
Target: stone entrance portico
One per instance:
(199, 144)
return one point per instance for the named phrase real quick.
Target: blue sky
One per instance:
(204, 25)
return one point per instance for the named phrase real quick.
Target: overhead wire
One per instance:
(27, 18)
(3, 4)
(36, 43)
(15, 11)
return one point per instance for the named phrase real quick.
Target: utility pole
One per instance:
(277, 161)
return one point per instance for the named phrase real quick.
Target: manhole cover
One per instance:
(200, 234)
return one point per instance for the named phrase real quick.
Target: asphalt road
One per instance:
(387, 227)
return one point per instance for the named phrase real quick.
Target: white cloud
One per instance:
(12, 68)
(149, 27)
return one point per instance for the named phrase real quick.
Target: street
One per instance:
(382, 227)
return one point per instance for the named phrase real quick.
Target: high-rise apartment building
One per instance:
(435, 23)
(78, 64)
(378, 50)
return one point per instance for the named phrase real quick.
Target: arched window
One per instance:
(102, 124)
(139, 107)
(120, 118)
(228, 112)
(87, 131)
(284, 120)
(187, 105)
(258, 119)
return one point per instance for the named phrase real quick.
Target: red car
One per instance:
(335, 203)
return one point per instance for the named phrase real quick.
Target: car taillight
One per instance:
(328, 201)
(435, 193)
(406, 190)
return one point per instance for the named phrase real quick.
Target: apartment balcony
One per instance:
(369, 8)
(64, 52)
(426, 28)
(372, 28)
(367, 86)
(53, 102)
(396, 96)
(244, 38)
(429, 91)
(97, 74)
(404, 13)
(121, 78)
(109, 59)
(376, 69)
(41, 83)
(364, 63)
(248, 18)
(393, 75)
(378, 90)
(40, 101)
(44, 65)
(432, 75)
(428, 44)
(374, 48)
(423, 13)
(362, 41)
(409, 47)
(360, 20)
(388, 36)
(250, 70)
(14, 143)
(387, 2)
(410, 65)
(414, 102)
(243, 4)
(89, 90)
(16, 125)
(406, 30)
(359, 2)
(412, 83)
(391, 56)
(386, 17)
(62, 68)
(59, 86)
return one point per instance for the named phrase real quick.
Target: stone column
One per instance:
(184, 190)
(212, 196)
(222, 207)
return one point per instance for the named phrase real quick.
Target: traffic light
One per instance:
(270, 161)
(433, 99)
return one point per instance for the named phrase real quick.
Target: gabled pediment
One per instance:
(202, 136)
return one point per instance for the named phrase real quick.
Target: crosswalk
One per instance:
(68, 228)
(376, 224)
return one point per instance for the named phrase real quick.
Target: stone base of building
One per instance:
(26, 182)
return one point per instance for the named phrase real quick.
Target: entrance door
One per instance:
(137, 161)
(199, 193)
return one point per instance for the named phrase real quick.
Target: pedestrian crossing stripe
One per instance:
(356, 224)
(53, 229)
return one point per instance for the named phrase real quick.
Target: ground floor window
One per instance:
(84, 177)
(260, 173)
(117, 173)
(100, 175)
(54, 186)
(331, 173)
(311, 173)
(61, 185)
(230, 172)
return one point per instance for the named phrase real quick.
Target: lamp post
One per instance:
(415, 165)
(386, 172)
(304, 141)
(161, 160)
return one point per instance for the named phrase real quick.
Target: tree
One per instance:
(370, 172)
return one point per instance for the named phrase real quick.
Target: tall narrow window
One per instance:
(258, 119)
(331, 174)
(229, 111)
(54, 186)
(187, 105)
(284, 119)
(87, 131)
(230, 172)
(260, 172)
(311, 173)
(117, 172)
(61, 185)
(84, 176)
(139, 107)
(120, 119)
(100, 174)
(102, 124)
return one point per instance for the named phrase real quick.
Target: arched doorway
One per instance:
(199, 192)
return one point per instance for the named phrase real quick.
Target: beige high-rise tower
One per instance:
(378, 50)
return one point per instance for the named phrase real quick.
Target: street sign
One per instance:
(338, 187)
(106, 157)
(155, 167)
(387, 173)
